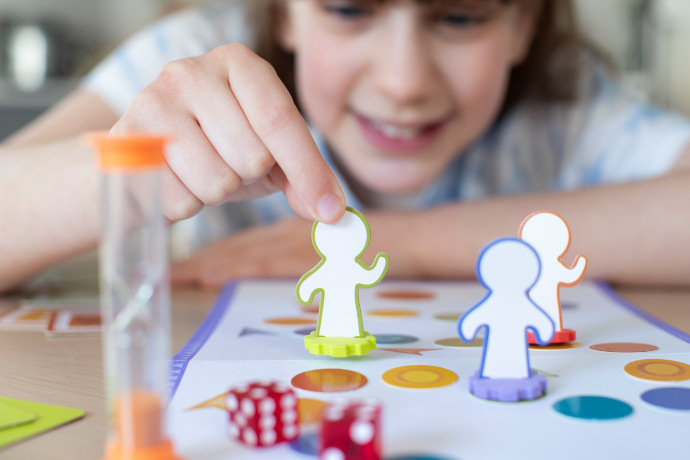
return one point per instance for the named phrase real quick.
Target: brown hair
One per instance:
(550, 71)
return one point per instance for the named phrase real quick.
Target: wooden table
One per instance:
(67, 371)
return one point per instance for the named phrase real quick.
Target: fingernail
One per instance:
(328, 207)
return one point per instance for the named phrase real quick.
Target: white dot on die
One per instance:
(231, 402)
(288, 400)
(333, 453)
(268, 437)
(289, 416)
(240, 419)
(233, 430)
(290, 431)
(361, 432)
(249, 436)
(267, 405)
(258, 393)
(267, 421)
(248, 407)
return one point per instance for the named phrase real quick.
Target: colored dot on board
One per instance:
(394, 339)
(289, 321)
(406, 295)
(310, 410)
(669, 398)
(593, 408)
(310, 308)
(393, 313)
(308, 444)
(452, 316)
(624, 347)
(329, 380)
(556, 346)
(458, 342)
(662, 370)
(304, 330)
(419, 376)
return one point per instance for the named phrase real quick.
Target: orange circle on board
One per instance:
(624, 347)
(393, 312)
(419, 376)
(556, 346)
(329, 380)
(662, 370)
(403, 294)
(290, 321)
(458, 342)
(310, 410)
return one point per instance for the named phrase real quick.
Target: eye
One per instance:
(346, 10)
(458, 20)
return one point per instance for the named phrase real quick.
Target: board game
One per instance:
(636, 368)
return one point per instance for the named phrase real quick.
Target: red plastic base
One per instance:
(563, 336)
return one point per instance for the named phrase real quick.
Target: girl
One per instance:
(447, 120)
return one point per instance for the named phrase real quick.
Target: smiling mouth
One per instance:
(392, 136)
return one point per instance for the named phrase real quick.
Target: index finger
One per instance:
(273, 116)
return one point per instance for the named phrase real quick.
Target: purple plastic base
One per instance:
(508, 390)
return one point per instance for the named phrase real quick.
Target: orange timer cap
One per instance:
(129, 152)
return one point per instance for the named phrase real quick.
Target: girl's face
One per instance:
(400, 88)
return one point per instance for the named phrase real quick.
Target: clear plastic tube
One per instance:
(135, 297)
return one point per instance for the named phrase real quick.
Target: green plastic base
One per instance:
(339, 347)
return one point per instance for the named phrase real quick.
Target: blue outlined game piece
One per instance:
(508, 268)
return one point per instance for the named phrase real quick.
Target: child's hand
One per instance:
(236, 135)
(281, 250)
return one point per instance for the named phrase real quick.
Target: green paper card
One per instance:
(46, 417)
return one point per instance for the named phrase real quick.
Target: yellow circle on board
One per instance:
(290, 321)
(452, 316)
(393, 312)
(419, 376)
(662, 370)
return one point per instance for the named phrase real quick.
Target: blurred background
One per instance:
(46, 46)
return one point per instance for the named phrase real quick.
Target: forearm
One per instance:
(49, 207)
(630, 233)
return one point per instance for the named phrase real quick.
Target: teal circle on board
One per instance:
(593, 408)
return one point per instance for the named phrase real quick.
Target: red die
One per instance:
(351, 430)
(262, 413)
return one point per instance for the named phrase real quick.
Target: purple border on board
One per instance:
(179, 362)
(608, 290)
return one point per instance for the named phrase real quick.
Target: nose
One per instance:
(403, 63)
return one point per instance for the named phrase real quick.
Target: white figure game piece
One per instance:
(549, 235)
(338, 277)
(508, 268)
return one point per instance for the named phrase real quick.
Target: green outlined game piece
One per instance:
(338, 277)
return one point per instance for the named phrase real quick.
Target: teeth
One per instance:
(397, 132)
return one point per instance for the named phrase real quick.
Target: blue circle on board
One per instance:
(394, 339)
(307, 444)
(669, 398)
(593, 408)
(304, 331)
